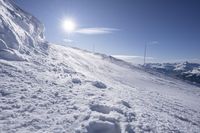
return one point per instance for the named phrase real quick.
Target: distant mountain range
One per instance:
(186, 71)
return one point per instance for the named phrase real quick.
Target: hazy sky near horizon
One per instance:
(125, 25)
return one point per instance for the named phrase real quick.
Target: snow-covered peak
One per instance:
(19, 31)
(185, 66)
(185, 70)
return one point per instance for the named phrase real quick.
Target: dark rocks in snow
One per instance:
(99, 84)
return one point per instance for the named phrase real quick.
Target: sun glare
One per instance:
(69, 25)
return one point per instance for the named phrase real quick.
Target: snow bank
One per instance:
(19, 31)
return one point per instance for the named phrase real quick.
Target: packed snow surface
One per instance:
(47, 88)
(70, 90)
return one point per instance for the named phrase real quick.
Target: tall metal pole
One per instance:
(145, 53)
(68, 38)
(93, 48)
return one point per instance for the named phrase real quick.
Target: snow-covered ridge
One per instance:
(19, 31)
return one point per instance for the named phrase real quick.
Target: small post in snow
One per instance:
(145, 50)
(145, 53)
(93, 48)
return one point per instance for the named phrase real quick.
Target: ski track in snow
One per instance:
(70, 90)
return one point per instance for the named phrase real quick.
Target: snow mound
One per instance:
(76, 81)
(99, 84)
(20, 32)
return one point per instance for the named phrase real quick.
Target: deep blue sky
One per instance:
(174, 24)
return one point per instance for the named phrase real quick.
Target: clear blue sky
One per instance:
(174, 24)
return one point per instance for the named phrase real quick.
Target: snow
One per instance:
(11, 55)
(76, 81)
(19, 31)
(3, 45)
(99, 84)
(45, 94)
(196, 71)
(63, 89)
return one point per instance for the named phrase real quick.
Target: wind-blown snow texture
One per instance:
(19, 32)
(60, 89)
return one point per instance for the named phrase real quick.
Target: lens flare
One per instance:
(69, 25)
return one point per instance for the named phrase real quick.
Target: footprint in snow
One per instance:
(103, 127)
(101, 108)
(106, 124)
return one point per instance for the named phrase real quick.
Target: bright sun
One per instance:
(69, 25)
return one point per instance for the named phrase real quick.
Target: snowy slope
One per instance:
(71, 90)
(61, 89)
